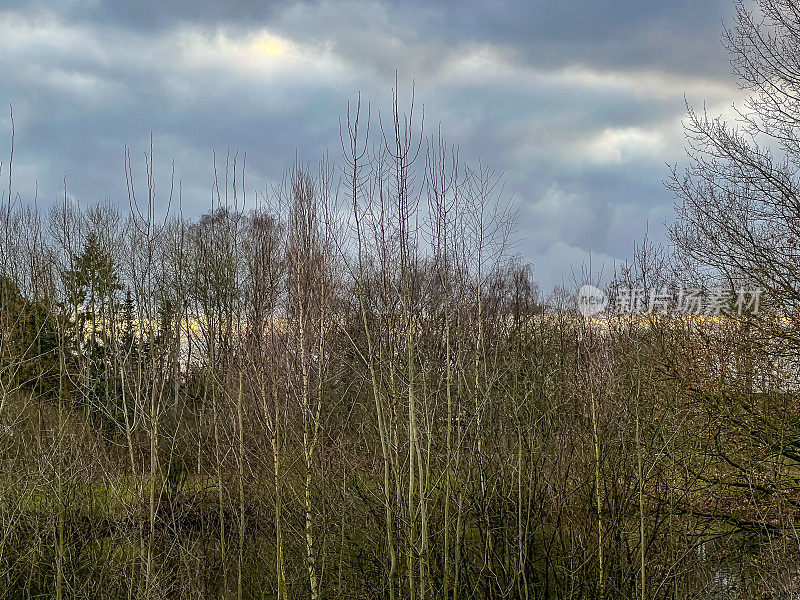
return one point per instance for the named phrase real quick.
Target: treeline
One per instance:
(348, 387)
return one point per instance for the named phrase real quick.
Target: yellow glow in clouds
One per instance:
(269, 46)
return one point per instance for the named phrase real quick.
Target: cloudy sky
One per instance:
(578, 102)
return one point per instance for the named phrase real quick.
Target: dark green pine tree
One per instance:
(92, 288)
(93, 284)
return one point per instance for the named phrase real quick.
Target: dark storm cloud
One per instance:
(602, 32)
(578, 103)
(682, 34)
(155, 14)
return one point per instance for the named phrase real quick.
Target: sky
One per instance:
(579, 104)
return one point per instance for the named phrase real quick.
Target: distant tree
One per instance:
(92, 287)
(94, 282)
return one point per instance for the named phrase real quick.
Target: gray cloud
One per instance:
(579, 103)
